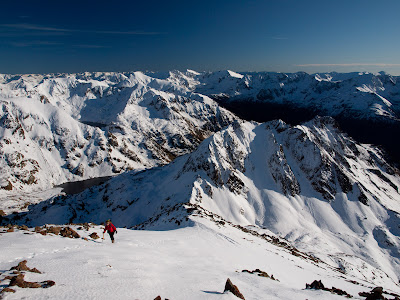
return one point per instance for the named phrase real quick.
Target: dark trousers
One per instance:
(111, 235)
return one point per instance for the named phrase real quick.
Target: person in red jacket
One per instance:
(110, 228)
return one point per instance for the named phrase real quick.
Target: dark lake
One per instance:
(75, 187)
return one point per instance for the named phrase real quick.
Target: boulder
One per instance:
(68, 232)
(23, 227)
(316, 285)
(54, 230)
(229, 286)
(94, 236)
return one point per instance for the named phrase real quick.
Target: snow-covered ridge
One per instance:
(353, 95)
(312, 184)
(66, 127)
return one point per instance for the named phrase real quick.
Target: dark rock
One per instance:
(375, 294)
(20, 282)
(157, 298)
(8, 187)
(48, 283)
(23, 267)
(316, 285)
(94, 236)
(54, 230)
(86, 226)
(229, 286)
(7, 290)
(260, 273)
(70, 233)
(34, 270)
(23, 227)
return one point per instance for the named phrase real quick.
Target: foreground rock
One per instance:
(230, 287)
(69, 232)
(23, 267)
(261, 274)
(318, 285)
(17, 278)
(377, 294)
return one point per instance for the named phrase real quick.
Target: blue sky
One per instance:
(279, 35)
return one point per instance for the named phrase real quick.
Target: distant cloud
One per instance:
(34, 43)
(350, 65)
(279, 38)
(91, 46)
(33, 27)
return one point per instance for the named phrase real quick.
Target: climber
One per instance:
(110, 228)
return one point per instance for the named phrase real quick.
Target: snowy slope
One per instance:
(312, 184)
(66, 127)
(187, 263)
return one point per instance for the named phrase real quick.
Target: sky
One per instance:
(277, 36)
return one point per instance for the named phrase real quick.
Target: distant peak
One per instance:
(234, 74)
(192, 72)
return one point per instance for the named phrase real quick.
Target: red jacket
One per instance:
(110, 228)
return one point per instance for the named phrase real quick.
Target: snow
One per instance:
(177, 150)
(273, 176)
(78, 126)
(187, 263)
(234, 74)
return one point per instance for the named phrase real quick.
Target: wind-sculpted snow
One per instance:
(59, 128)
(312, 184)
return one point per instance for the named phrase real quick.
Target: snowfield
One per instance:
(186, 263)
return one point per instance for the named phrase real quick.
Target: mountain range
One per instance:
(176, 156)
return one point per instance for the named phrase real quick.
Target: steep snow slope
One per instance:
(311, 184)
(67, 127)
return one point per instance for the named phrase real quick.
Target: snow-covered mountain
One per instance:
(352, 95)
(67, 127)
(330, 196)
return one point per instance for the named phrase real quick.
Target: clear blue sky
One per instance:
(277, 35)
